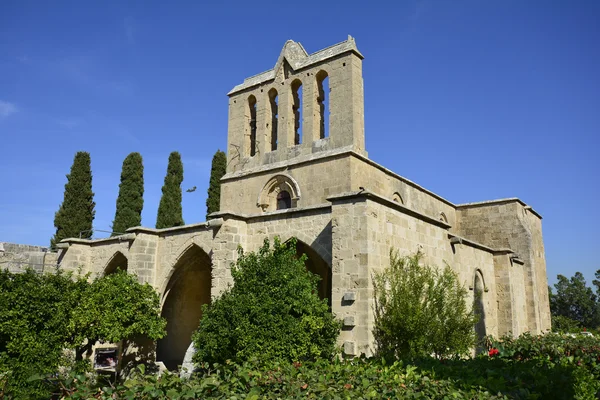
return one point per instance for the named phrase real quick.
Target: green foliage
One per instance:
(42, 315)
(170, 213)
(575, 300)
(117, 307)
(217, 170)
(565, 324)
(131, 195)
(272, 312)
(76, 213)
(421, 310)
(424, 378)
(35, 315)
(578, 356)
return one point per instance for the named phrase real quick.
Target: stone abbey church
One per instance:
(298, 167)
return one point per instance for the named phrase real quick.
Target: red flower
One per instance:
(494, 351)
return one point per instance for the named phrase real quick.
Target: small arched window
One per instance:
(397, 198)
(443, 217)
(284, 200)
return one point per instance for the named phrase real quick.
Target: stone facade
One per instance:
(297, 166)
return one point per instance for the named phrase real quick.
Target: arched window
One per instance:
(397, 198)
(284, 200)
(297, 109)
(273, 105)
(443, 217)
(323, 103)
(252, 124)
(280, 192)
(479, 306)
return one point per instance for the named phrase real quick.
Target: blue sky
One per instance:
(472, 99)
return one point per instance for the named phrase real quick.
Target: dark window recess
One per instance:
(284, 200)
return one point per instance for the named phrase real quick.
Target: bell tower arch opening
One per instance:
(297, 110)
(322, 110)
(274, 119)
(251, 123)
(189, 288)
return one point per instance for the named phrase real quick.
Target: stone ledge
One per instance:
(155, 231)
(499, 202)
(120, 238)
(390, 203)
(456, 239)
(277, 213)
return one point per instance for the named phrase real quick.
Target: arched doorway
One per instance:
(116, 263)
(315, 264)
(187, 291)
(478, 307)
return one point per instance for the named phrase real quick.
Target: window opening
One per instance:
(252, 122)
(284, 200)
(297, 108)
(273, 102)
(323, 103)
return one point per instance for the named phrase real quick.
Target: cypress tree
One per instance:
(169, 210)
(76, 213)
(131, 195)
(217, 170)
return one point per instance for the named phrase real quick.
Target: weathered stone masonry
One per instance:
(303, 171)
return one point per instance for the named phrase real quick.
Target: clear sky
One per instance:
(472, 99)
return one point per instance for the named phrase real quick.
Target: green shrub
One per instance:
(41, 315)
(563, 324)
(421, 310)
(272, 312)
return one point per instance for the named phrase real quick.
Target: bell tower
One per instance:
(305, 105)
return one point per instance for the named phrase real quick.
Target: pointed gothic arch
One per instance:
(117, 262)
(479, 304)
(318, 266)
(188, 289)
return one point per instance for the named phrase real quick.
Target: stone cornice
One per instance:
(390, 203)
(182, 228)
(119, 238)
(499, 202)
(275, 214)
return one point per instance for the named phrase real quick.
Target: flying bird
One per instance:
(191, 190)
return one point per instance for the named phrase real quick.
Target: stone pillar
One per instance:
(225, 244)
(286, 117)
(310, 115)
(350, 274)
(143, 257)
(263, 142)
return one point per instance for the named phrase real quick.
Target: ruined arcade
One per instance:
(298, 167)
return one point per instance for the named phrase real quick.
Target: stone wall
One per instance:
(511, 224)
(365, 228)
(19, 257)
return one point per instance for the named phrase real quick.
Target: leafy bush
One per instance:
(421, 310)
(42, 315)
(35, 316)
(427, 378)
(272, 312)
(565, 324)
